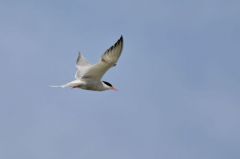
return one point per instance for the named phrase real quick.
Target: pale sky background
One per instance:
(178, 80)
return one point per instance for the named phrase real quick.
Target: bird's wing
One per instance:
(108, 60)
(82, 66)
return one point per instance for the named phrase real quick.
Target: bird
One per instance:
(89, 76)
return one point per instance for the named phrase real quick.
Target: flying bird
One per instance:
(88, 76)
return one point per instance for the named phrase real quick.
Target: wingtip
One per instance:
(121, 38)
(119, 41)
(79, 56)
(79, 53)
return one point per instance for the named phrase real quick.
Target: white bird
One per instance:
(89, 76)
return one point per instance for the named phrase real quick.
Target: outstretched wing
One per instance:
(82, 66)
(108, 60)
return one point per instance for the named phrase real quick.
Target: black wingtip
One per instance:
(119, 41)
(79, 54)
(121, 38)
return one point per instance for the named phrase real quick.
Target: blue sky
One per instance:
(178, 80)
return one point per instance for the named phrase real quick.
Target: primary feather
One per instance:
(109, 59)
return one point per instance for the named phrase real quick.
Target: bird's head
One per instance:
(108, 86)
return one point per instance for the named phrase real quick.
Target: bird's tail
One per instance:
(72, 84)
(59, 86)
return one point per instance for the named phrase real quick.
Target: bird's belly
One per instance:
(92, 86)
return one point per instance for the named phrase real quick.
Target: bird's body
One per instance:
(86, 84)
(89, 76)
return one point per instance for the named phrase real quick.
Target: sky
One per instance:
(178, 79)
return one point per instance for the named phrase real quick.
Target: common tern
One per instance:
(88, 76)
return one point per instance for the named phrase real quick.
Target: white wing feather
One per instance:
(108, 60)
(82, 66)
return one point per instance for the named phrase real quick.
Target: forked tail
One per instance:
(60, 86)
(72, 84)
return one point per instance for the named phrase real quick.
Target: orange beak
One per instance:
(114, 89)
